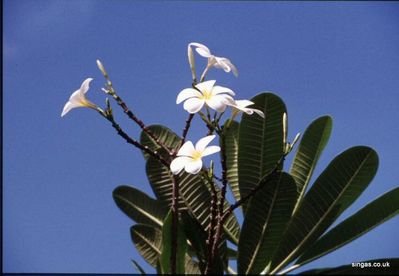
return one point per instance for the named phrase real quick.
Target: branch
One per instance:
(133, 142)
(222, 196)
(186, 128)
(213, 210)
(175, 221)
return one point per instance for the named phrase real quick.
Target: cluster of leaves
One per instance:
(284, 222)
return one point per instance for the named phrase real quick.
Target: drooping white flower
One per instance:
(241, 106)
(216, 97)
(78, 98)
(190, 157)
(213, 61)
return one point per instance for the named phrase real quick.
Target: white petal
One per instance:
(206, 85)
(186, 94)
(85, 85)
(220, 89)
(249, 111)
(233, 68)
(203, 142)
(193, 105)
(201, 49)
(260, 113)
(77, 97)
(68, 106)
(210, 150)
(178, 164)
(243, 103)
(220, 63)
(218, 102)
(193, 167)
(187, 149)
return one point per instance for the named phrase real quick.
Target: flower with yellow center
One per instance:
(190, 157)
(206, 93)
(78, 98)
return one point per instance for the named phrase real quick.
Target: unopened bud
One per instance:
(191, 61)
(102, 69)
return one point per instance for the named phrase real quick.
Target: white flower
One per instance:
(216, 97)
(189, 157)
(217, 62)
(78, 98)
(241, 105)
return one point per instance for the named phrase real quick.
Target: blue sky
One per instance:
(337, 58)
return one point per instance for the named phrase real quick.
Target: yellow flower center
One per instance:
(196, 155)
(206, 95)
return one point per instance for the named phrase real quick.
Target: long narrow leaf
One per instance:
(261, 142)
(231, 158)
(138, 206)
(148, 241)
(265, 220)
(168, 230)
(369, 217)
(311, 146)
(340, 184)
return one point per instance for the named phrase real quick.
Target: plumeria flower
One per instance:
(216, 97)
(78, 98)
(190, 157)
(241, 106)
(213, 61)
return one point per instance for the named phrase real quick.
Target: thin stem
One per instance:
(175, 221)
(186, 128)
(139, 122)
(133, 142)
(204, 73)
(260, 185)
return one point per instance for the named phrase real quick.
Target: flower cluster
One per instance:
(203, 94)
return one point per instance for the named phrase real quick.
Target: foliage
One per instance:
(282, 223)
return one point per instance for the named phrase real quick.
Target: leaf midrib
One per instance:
(310, 172)
(264, 227)
(323, 217)
(140, 210)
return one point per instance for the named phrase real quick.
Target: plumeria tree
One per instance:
(191, 228)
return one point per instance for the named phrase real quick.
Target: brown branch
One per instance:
(139, 122)
(219, 226)
(135, 143)
(175, 221)
(186, 128)
(211, 230)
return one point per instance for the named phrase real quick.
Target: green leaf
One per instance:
(165, 136)
(231, 141)
(362, 268)
(138, 267)
(148, 241)
(168, 230)
(260, 141)
(265, 220)
(138, 206)
(369, 217)
(312, 145)
(340, 184)
(195, 195)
